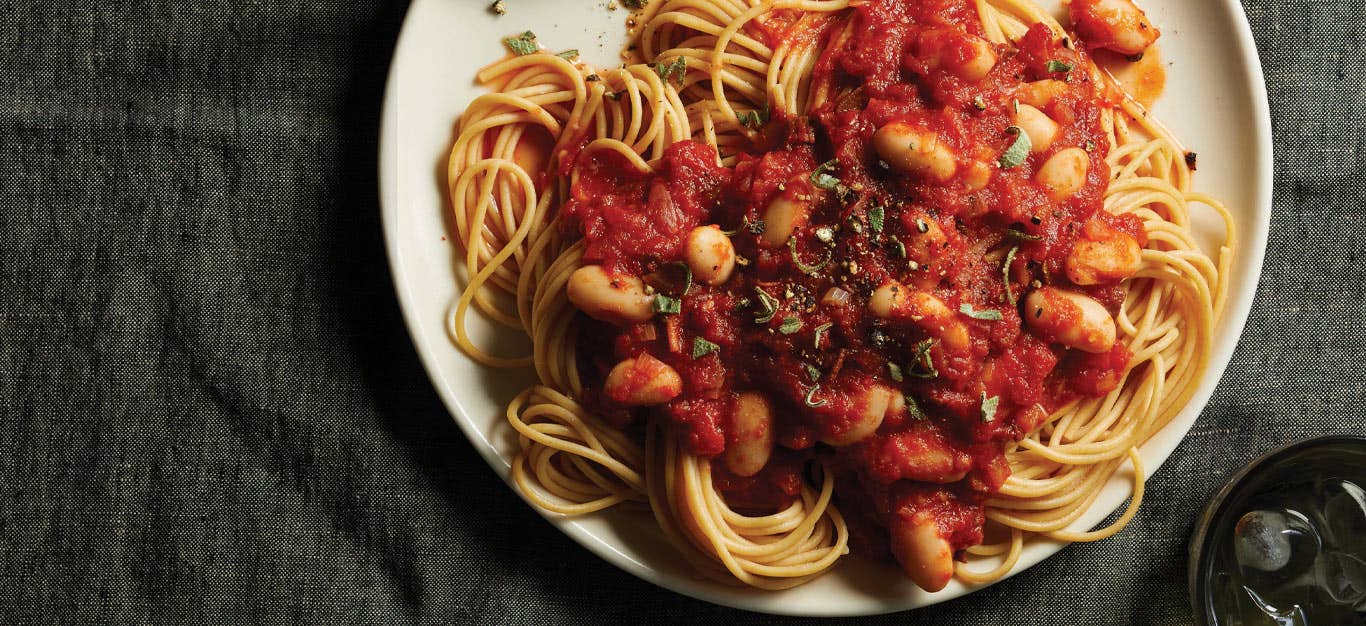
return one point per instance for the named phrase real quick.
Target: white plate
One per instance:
(1215, 101)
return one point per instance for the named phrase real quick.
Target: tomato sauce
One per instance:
(793, 322)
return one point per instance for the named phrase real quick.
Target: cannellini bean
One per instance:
(642, 381)
(968, 56)
(924, 455)
(1117, 25)
(1040, 93)
(1042, 130)
(788, 212)
(926, 240)
(916, 151)
(752, 429)
(870, 407)
(893, 300)
(1064, 173)
(977, 176)
(1103, 255)
(710, 254)
(923, 553)
(1071, 319)
(888, 299)
(615, 298)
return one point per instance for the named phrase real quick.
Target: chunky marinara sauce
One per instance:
(793, 321)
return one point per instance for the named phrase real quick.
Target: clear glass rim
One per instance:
(1201, 547)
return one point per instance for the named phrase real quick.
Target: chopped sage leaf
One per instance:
(898, 247)
(1015, 233)
(768, 304)
(894, 371)
(701, 347)
(822, 177)
(673, 72)
(922, 365)
(820, 332)
(1018, 151)
(876, 216)
(811, 372)
(914, 409)
(811, 393)
(806, 269)
(991, 315)
(754, 118)
(1005, 274)
(1055, 65)
(569, 55)
(790, 325)
(989, 407)
(523, 44)
(665, 304)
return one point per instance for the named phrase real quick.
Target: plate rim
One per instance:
(1253, 78)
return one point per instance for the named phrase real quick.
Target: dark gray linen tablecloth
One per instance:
(210, 411)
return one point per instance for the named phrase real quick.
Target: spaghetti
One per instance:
(958, 290)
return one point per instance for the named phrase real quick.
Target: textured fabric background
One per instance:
(210, 411)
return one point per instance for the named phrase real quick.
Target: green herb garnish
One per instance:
(1018, 151)
(991, 315)
(820, 332)
(673, 71)
(811, 372)
(989, 407)
(914, 409)
(898, 247)
(754, 118)
(687, 276)
(1005, 273)
(790, 325)
(523, 44)
(665, 304)
(806, 269)
(769, 304)
(894, 371)
(822, 177)
(810, 394)
(701, 347)
(923, 362)
(569, 55)
(1055, 65)
(1021, 235)
(876, 216)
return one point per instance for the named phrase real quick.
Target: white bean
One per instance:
(1103, 255)
(945, 48)
(1040, 93)
(788, 212)
(916, 151)
(752, 429)
(642, 381)
(1042, 130)
(1071, 319)
(615, 298)
(1064, 173)
(870, 408)
(895, 301)
(710, 254)
(1117, 25)
(923, 553)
